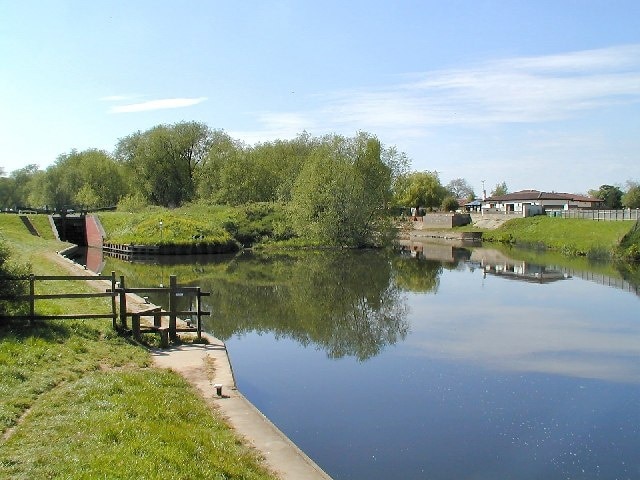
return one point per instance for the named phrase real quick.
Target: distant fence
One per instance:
(599, 215)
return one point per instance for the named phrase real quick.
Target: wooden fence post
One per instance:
(199, 316)
(123, 304)
(135, 326)
(32, 298)
(113, 300)
(173, 335)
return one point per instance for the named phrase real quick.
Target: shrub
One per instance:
(9, 286)
(450, 204)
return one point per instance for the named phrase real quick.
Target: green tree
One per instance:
(14, 189)
(341, 191)
(420, 190)
(501, 189)
(610, 195)
(631, 198)
(162, 162)
(460, 188)
(7, 193)
(449, 204)
(219, 178)
(90, 179)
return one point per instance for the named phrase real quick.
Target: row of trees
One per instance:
(615, 198)
(169, 165)
(333, 187)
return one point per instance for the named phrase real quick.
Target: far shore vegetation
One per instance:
(187, 183)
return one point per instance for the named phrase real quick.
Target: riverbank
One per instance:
(107, 407)
(601, 240)
(208, 368)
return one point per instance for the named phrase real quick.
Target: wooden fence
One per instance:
(32, 296)
(174, 292)
(118, 294)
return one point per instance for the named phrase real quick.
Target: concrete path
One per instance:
(208, 368)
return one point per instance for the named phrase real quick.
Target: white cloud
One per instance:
(156, 105)
(506, 91)
(275, 126)
(531, 89)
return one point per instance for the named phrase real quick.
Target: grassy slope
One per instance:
(179, 226)
(226, 226)
(569, 236)
(78, 401)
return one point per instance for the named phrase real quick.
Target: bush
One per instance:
(450, 204)
(132, 203)
(9, 286)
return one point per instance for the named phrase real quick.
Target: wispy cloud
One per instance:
(531, 89)
(160, 104)
(276, 126)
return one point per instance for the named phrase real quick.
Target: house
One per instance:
(532, 202)
(472, 206)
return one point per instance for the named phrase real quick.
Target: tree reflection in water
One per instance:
(344, 302)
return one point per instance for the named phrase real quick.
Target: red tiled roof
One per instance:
(524, 195)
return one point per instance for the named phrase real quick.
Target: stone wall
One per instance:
(442, 220)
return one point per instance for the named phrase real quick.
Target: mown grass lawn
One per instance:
(77, 401)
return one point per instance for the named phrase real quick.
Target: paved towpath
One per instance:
(208, 366)
(205, 367)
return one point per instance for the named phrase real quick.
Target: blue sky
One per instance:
(539, 94)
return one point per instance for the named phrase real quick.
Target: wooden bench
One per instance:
(157, 327)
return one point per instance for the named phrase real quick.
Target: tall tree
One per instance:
(460, 188)
(14, 189)
(610, 195)
(631, 198)
(420, 190)
(89, 179)
(163, 160)
(341, 191)
(501, 189)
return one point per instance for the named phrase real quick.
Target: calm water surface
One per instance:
(435, 363)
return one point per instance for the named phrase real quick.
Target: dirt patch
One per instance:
(489, 223)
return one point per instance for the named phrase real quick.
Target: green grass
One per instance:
(41, 222)
(228, 227)
(125, 424)
(78, 401)
(181, 226)
(569, 236)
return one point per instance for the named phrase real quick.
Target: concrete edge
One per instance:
(279, 453)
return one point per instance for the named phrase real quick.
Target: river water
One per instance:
(435, 362)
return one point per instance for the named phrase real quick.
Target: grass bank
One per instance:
(576, 237)
(79, 401)
(229, 228)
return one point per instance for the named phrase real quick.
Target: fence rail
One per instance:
(598, 215)
(119, 308)
(32, 297)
